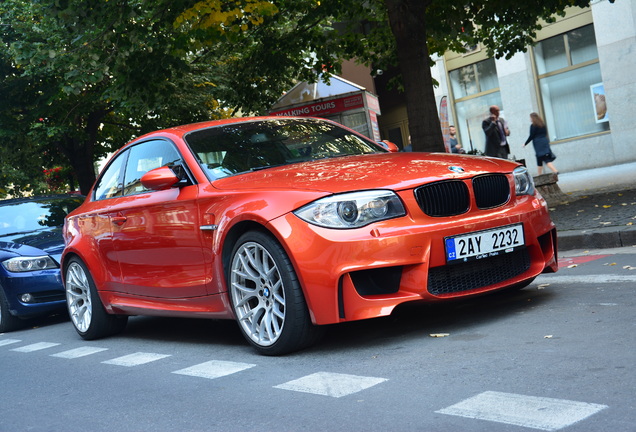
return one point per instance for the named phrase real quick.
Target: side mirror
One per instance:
(159, 179)
(392, 147)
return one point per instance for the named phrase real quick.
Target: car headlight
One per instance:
(352, 210)
(27, 264)
(524, 185)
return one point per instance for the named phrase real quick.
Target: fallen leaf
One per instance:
(630, 223)
(605, 223)
(542, 286)
(612, 264)
(580, 211)
(606, 206)
(572, 266)
(439, 335)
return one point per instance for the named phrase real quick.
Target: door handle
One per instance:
(118, 220)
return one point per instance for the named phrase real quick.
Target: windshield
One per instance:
(27, 216)
(234, 148)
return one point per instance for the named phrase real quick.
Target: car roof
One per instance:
(182, 130)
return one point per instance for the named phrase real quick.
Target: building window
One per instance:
(567, 65)
(475, 88)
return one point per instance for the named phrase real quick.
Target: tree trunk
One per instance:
(80, 156)
(408, 24)
(85, 172)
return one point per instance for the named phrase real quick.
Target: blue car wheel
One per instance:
(8, 322)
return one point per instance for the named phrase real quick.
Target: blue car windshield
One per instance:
(252, 145)
(28, 216)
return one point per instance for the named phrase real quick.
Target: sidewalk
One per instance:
(598, 209)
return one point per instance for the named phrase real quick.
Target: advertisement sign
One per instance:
(599, 103)
(443, 120)
(324, 108)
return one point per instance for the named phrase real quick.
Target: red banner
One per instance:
(323, 108)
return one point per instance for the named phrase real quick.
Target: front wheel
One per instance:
(85, 308)
(8, 322)
(267, 298)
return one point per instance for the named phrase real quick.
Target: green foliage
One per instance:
(82, 77)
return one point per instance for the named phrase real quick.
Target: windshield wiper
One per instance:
(259, 168)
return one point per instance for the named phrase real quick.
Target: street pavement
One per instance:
(597, 208)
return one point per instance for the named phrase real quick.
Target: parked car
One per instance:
(31, 245)
(288, 224)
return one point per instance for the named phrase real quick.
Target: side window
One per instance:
(109, 185)
(145, 157)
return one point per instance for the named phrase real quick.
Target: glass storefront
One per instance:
(567, 66)
(475, 89)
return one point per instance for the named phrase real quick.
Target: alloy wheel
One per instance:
(78, 297)
(258, 294)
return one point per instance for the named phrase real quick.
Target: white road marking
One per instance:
(331, 384)
(4, 342)
(35, 347)
(527, 411)
(136, 359)
(585, 279)
(78, 352)
(214, 369)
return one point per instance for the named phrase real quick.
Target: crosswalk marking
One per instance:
(541, 413)
(331, 384)
(35, 347)
(136, 359)
(528, 411)
(9, 341)
(78, 352)
(214, 369)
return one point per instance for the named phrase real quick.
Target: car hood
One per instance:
(47, 241)
(394, 171)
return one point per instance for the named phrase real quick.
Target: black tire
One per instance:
(8, 322)
(267, 298)
(521, 285)
(85, 308)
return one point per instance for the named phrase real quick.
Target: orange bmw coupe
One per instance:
(288, 224)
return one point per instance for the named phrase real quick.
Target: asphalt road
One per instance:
(556, 355)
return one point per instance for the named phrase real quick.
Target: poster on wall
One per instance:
(598, 102)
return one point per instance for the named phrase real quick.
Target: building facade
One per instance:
(580, 76)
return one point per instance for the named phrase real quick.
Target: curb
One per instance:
(598, 238)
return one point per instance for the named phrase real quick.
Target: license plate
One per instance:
(484, 244)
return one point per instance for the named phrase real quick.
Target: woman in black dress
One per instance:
(541, 143)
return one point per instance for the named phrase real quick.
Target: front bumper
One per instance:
(45, 287)
(363, 273)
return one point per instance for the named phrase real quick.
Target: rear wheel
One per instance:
(267, 298)
(84, 305)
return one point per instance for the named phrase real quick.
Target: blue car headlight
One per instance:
(524, 185)
(27, 264)
(352, 210)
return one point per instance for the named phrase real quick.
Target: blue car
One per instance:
(31, 245)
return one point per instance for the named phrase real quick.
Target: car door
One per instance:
(156, 234)
(95, 224)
